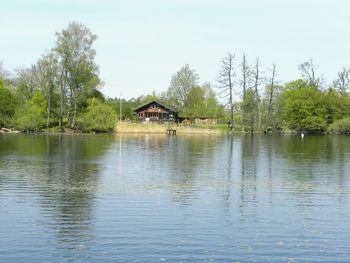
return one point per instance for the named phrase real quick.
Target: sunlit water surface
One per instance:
(144, 198)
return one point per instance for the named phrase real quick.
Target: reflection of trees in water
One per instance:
(62, 170)
(228, 183)
(269, 149)
(190, 162)
(342, 154)
(312, 148)
(228, 154)
(314, 166)
(178, 162)
(248, 183)
(315, 156)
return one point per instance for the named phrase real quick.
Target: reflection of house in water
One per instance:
(156, 111)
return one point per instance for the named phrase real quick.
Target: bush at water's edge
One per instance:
(341, 126)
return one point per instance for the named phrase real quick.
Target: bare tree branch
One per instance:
(309, 73)
(342, 83)
(225, 81)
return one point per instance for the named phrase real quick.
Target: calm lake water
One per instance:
(146, 198)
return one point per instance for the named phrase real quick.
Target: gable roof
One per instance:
(144, 106)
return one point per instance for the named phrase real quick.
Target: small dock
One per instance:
(171, 131)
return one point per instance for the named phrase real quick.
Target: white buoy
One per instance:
(302, 135)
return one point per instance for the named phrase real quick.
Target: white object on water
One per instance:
(302, 135)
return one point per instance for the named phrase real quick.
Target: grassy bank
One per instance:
(126, 127)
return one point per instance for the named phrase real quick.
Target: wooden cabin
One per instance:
(156, 111)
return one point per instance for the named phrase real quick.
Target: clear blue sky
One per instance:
(142, 43)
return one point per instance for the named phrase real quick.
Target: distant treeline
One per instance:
(61, 90)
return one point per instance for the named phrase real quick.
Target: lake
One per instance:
(149, 198)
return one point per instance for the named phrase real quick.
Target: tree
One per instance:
(309, 73)
(342, 83)
(31, 116)
(74, 47)
(337, 106)
(245, 74)
(270, 88)
(25, 82)
(249, 106)
(225, 81)
(181, 84)
(213, 109)
(8, 105)
(201, 102)
(47, 70)
(257, 81)
(99, 117)
(4, 74)
(195, 103)
(303, 107)
(63, 90)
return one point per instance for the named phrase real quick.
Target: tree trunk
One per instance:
(231, 108)
(257, 82)
(259, 116)
(252, 123)
(272, 86)
(61, 112)
(48, 111)
(245, 72)
(74, 113)
(71, 107)
(60, 122)
(231, 101)
(75, 106)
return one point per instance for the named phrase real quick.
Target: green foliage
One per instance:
(148, 99)
(32, 115)
(181, 84)
(296, 84)
(127, 106)
(99, 117)
(63, 85)
(25, 83)
(195, 103)
(8, 104)
(201, 102)
(337, 105)
(304, 108)
(250, 107)
(38, 99)
(74, 47)
(341, 126)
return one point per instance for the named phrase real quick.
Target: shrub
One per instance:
(32, 115)
(98, 117)
(30, 118)
(304, 108)
(8, 104)
(341, 126)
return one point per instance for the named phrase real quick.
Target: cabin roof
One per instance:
(144, 106)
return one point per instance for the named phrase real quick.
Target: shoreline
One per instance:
(156, 128)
